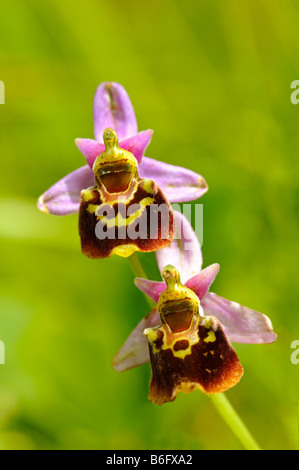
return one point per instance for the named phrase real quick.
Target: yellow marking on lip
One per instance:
(119, 220)
(182, 352)
(170, 338)
(151, 334)
(125, 250)
(87, 195)
(211, 337)
(92, 208)
(148, 186)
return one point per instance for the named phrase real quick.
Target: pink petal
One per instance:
(152, 288)
(201, 282)
(135, 350)
(63, 197)
(184, 253)
(178, 183)
(135, 144)
(112, 108)
(90, 149)
(241, 324)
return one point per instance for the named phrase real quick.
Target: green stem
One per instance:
(233, 420)
(137, 266)
(220, 401)
(139, 272)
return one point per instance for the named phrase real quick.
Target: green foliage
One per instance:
(212, 78)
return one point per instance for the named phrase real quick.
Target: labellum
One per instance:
(188, 350)
(122, 213)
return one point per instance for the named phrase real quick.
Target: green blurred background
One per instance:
(212, 78)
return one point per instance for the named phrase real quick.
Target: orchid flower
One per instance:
(187, 336)
(122, 213)
(112, 108)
